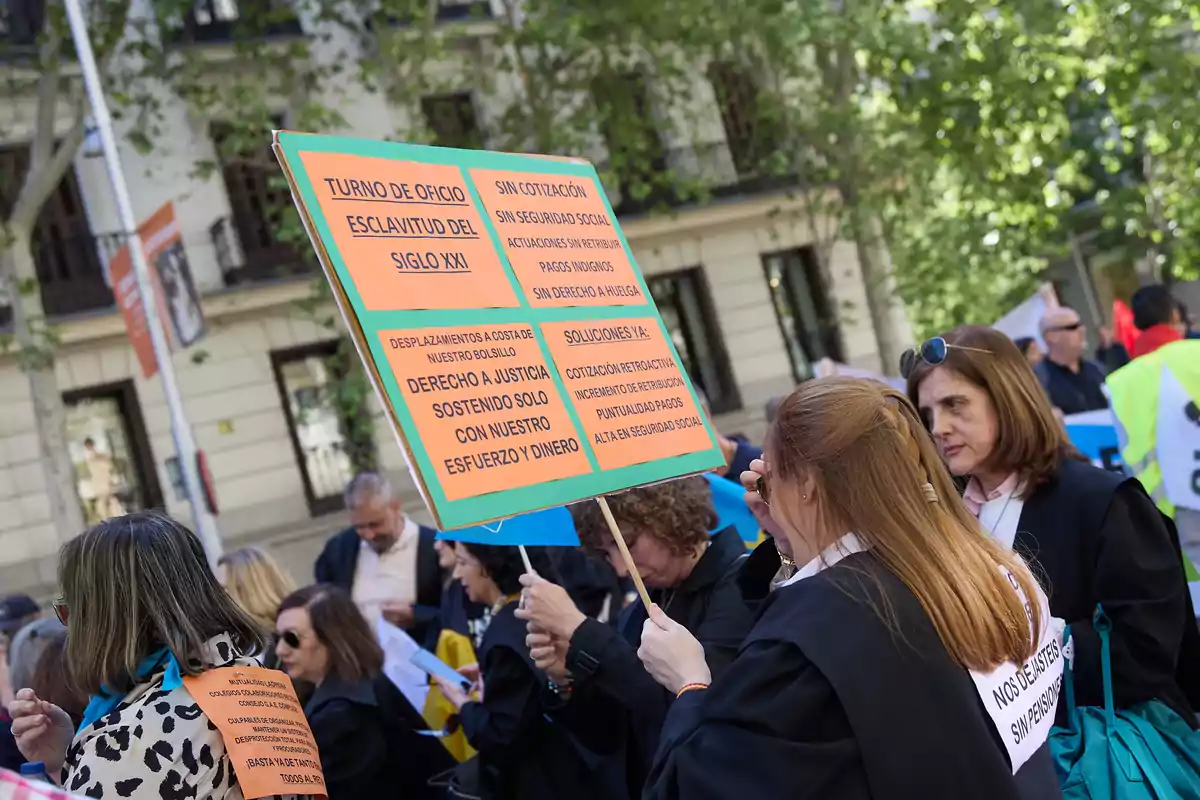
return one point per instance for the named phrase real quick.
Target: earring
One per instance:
(803, 497)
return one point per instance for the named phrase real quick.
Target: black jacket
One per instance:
(339, 559)
(827, 700)
(367, 735)
(616, 709)
(522, 754)
(1097, 537)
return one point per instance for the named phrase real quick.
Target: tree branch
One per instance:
(40, 183)
(47, 99)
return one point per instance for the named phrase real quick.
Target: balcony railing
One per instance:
(71, 274)
(245, 260)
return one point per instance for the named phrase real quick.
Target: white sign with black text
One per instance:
(1022, 700)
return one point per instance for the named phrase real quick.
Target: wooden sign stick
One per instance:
(629, 565)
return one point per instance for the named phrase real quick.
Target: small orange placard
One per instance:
(409, 233)
(627, 389)
(559, 238)
(266, 734)
(485, 404)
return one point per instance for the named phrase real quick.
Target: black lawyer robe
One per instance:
(522, 754)
(617, 709)
(366, 732)
(1096, 537)
(826, 700)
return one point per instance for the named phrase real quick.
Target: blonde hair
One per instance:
(257, 583)
(878, 474)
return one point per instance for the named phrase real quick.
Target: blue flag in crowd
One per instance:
(550, 527)
(1094, 434)
(729, 500)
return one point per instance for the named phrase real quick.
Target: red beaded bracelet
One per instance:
(690, 687)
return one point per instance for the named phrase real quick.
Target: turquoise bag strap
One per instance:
(1103, 626)
(1069, 681)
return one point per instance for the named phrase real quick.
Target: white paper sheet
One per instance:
(398, 650)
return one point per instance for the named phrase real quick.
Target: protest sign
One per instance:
(1094, 434)
(549, 527)
(172, 278)
(1022, 699)
(265, 731)
(500, 313)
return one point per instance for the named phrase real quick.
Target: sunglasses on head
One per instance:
(61, 610)
(933, 352)
(290, 639)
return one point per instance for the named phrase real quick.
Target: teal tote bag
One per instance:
(1146, 752)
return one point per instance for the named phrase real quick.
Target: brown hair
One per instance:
(354, 655)
(864, 446)
(1029, 439)
(135, 584)
(51, 680)
(257, 583)
(677, 513)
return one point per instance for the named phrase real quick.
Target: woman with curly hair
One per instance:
(599, 688)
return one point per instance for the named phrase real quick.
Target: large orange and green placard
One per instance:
(502, 316)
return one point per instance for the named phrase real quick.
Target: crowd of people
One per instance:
(915, 545)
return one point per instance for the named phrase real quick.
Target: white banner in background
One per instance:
(1025, 318)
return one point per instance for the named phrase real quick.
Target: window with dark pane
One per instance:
(308, 378)
(68, 258)
(805, 311)
(216, 21)
(451, 119)
(752, 133)
(636, 156)
(685, 303)
(259, 201)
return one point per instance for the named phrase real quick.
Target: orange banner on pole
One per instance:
(172, 279)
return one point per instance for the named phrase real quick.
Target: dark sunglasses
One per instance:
(1074, 326)
(763, 489)
(933, 352)
(289, 638)
(61, 610)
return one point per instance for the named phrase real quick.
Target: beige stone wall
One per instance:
(235, 407)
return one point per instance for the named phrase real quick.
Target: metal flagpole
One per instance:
(185, 442)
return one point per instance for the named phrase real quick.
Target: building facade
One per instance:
(737, 279)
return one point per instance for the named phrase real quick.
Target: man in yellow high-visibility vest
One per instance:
(1156, 403)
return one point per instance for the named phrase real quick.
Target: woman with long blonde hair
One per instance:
(258, 584)
(880, 669)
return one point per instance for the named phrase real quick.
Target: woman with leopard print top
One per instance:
(143, 610)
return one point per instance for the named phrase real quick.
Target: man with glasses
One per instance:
(1072, 382)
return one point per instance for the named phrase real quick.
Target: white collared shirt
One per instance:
(389, 576)
(1001, 514)
(848, 545)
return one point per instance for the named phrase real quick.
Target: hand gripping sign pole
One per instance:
(185, 444)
